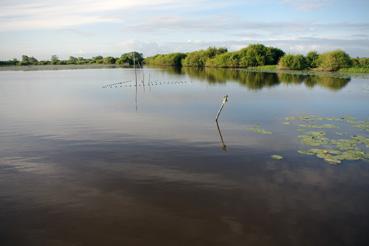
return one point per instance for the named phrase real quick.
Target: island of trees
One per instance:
(261, 57)
(255, 56)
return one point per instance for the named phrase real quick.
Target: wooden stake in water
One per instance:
(225, 99)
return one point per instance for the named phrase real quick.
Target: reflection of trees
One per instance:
(332, 83)
(326, 81)
(292, 78)
(252, 80)
(258, 80)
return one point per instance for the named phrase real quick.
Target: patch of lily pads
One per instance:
(331, 146)
(257, 129)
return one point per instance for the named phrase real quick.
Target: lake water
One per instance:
(88, 158)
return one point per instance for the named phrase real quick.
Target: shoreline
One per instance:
(263, 69)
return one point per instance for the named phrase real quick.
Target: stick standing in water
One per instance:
(225, 99)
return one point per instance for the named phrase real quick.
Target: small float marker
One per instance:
(225, 99)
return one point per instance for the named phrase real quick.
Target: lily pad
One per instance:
(362, 140)
(277, 157)
(330, 148)
(257, 129)
(314, 138)
(324, 126)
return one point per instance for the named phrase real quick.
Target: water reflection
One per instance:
(259, 80)
(325, 81)
(223, 145)
(76, 159)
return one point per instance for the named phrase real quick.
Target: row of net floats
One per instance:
(139, 84)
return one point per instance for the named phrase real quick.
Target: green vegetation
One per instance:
(255, 57)
(354, 70)
(293, 62)
(327, 145)
(277, 157)
(258, 57)
(226, 60)
(333, 61)
(312, 59)
(199, 58)
(257, 129)
(124, 59)
(130, 58)
(252, 56)
(263, 68)
(172, 59)
(359, 65)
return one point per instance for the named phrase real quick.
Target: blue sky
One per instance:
(42, 28)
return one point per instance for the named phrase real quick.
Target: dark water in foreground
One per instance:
(85, 165)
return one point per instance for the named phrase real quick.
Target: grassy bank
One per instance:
(353, 70)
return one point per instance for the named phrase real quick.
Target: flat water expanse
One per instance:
(88, 158)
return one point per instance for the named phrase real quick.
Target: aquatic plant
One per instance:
(257, 129)
(277, 157)
(334, 156)
(332, 150)
(324, 126)
(314, 138)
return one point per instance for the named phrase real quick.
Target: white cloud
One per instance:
(54, 14)
(307, 5)
(163, 26)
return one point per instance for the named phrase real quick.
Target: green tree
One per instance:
(172, 59)
(227, 60)
(25, 61)
(312, 59)
(109, 60)
(254, 55)
(273, 55)
(293, 62)
(97, 60)
(199, 58)
(55, 60)
(72, 60)
(32, 60)
(334, 60)
(131, 58)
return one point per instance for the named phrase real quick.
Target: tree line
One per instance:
(256, 55)
(125, 59)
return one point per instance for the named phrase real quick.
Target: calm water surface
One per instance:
(83, 162)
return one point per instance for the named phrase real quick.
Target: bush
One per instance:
(130, 58)
(252, 56)
(312, 59)
(293, 62)
(259, 55)
(199, 58)
(109, 60)
(334, 60)
(172, 59)
(229, 59)
(360, 62)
